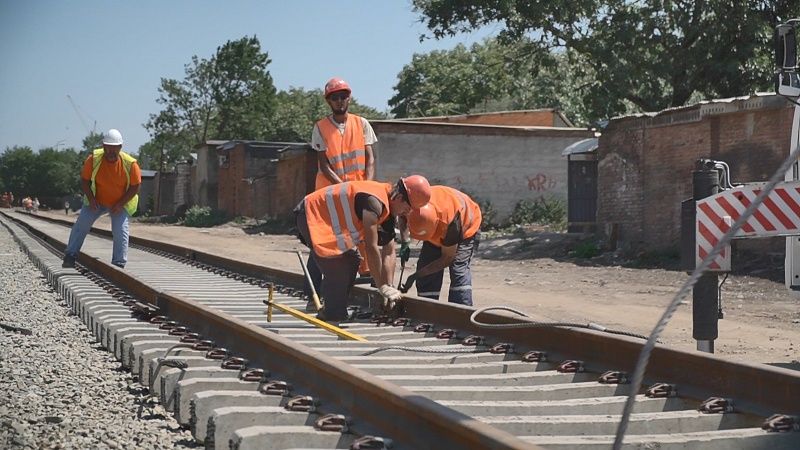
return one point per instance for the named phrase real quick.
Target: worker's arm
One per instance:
(370, 157)
(446, 258)
(129, 193)
(86, 187)
(388, 261)
(373, 253)
(325, 168)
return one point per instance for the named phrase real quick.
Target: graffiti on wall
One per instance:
(540, 182)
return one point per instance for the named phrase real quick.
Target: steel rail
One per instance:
(758, 389)
(406, 416)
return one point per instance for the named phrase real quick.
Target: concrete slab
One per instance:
(748, 438)
(453, 369)
(687, 421)
(187, 388)
(225, 421)
(203, 404)
(164, 384)
(486, 380)
(148, 361)
(267, 438)
(500, 393)
(596, 405)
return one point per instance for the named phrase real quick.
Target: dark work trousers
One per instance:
(460, 273)
(337, 273)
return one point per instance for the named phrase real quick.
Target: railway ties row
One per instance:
(532, 400)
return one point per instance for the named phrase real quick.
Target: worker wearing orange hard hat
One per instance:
(449, 226)
(343, 140)
(335, 220)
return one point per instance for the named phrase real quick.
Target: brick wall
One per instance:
(264, 179)
(646, 163)
(502, 165)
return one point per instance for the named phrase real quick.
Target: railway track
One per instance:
(194, 328)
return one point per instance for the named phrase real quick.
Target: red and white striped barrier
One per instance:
(778, 215)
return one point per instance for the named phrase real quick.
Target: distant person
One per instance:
(66, 208)
(36, 204)
(343, 142)
(449, 226)
(110, 181)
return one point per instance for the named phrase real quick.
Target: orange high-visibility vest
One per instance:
(333, 225)
(346, 153)
(447, 202)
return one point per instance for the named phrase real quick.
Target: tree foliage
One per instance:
(229, 96)
(50, 173)
(92, 141)
(298, 109)
(648, 55)
(489, 76)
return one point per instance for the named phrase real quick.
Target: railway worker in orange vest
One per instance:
(110, 180)
(343, 142)
(449, 226)
(334, 220)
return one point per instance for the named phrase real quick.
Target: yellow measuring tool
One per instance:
(308, 318)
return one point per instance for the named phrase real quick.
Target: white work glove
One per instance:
(390, 293)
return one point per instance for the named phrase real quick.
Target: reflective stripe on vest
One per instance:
(127, 161)
(346, 153)
(448, 202)
(333, 225)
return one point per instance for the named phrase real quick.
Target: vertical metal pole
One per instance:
(705, 294)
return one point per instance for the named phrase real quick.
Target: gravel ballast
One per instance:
(58, 387)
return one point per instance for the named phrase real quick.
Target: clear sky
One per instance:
(110, 55)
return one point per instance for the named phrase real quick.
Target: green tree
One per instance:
(16, 171)
(92, 141)
(489, 76)
(298, 109)
(646, 55)
(229, 96)
(56, 173)
(48, 173)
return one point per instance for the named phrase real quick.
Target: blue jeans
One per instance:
(460, 273)
(119, 229)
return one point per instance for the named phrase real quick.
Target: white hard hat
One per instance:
(112, 137)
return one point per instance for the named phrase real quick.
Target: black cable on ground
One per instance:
(534, 324)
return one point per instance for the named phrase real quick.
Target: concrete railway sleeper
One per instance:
(193, 328)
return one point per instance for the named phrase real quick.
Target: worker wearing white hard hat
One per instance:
(110, 181)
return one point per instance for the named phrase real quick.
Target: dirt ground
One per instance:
(532, 271)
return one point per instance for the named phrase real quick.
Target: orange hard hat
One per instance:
(336, 85)
(418, 190)
(422, 222)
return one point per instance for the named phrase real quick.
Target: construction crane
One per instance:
(81, 116)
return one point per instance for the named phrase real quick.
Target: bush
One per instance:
(586, 250)
(488, 212)
(203, 216)
(542, 211)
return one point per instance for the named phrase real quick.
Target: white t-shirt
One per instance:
(318, 143)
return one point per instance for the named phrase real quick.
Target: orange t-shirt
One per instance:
(111, 182)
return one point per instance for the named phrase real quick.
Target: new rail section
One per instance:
(194, 328)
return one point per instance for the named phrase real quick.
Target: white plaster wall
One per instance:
(501, 169)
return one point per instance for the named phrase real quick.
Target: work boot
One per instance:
(69, 262)
(311, 307)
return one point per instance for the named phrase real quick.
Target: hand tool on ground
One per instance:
(314, 296)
